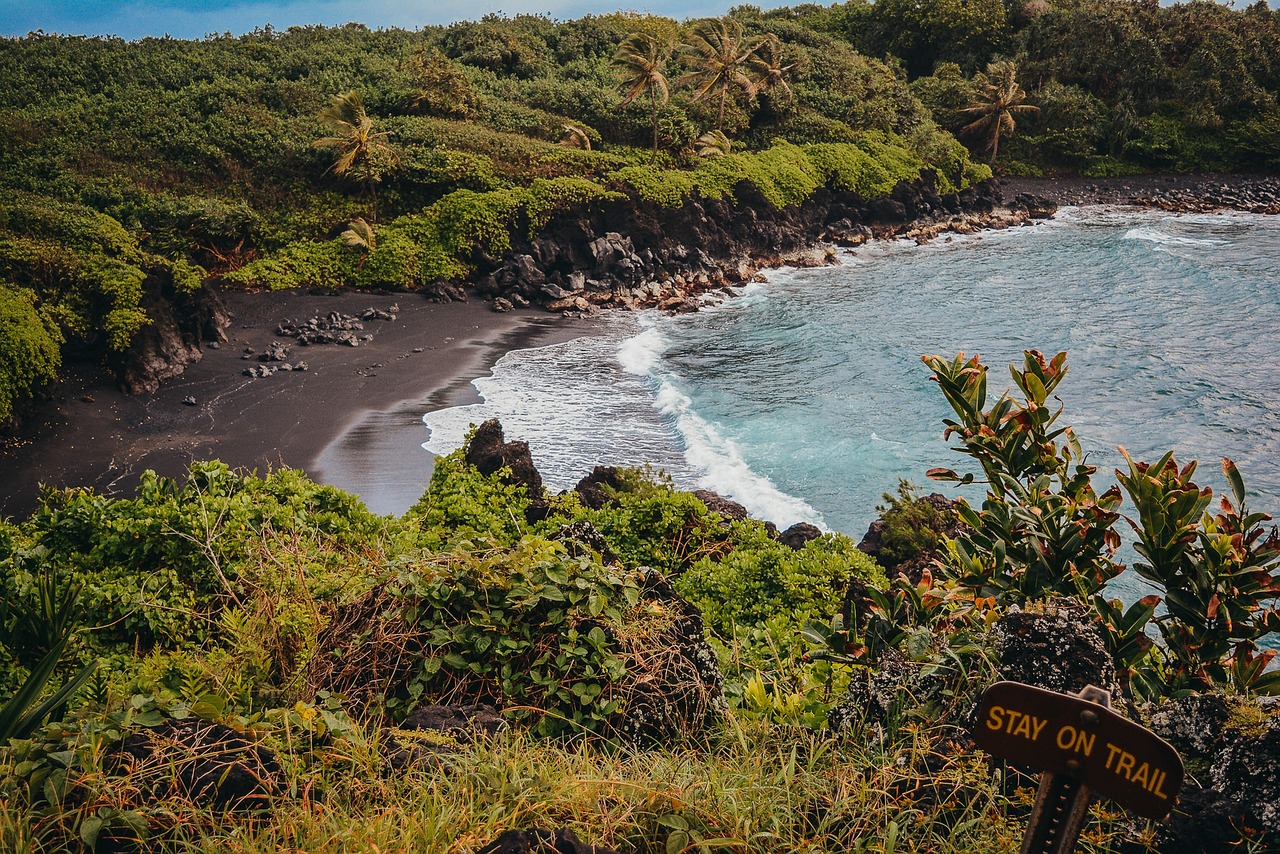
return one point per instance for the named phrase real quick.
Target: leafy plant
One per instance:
(1218, 574)
(1043, 529)
(21, 714)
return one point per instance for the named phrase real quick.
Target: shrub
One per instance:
(157, 570)
(761, 579)
(461, 505)
(30, 353)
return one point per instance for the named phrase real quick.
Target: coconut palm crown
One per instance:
(362, 152)
(718, 57)
(640, 64)
(1000, 99)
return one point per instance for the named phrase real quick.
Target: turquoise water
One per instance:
(805, 398)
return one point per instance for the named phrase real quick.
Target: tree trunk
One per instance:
(653, 93)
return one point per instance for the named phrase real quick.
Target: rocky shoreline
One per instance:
(631, 254)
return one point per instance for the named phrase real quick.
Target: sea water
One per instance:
(804, 398)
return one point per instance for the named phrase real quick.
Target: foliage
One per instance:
(1000, 98)
(29, 348)
(529, 625)
(639, 64)
(1043, 529)
(462, 505)
(44, 627)
(912, 524)
(760, 579)
(1219, 575)
(158, 569)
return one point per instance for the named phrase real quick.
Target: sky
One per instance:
(132, 19)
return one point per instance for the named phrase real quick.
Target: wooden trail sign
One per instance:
(1083, 747)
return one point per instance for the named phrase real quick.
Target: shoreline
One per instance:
(91, 434)
(354, 419)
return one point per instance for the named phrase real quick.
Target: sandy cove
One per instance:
(92, 434)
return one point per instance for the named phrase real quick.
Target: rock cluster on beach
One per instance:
(332, 328)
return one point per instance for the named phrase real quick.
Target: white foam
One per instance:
(639, 354)
(1155, 235)
(723, 470)
(575, 407)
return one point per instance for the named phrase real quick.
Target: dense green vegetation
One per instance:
(333, 157)
(287, 612)
(256, 157)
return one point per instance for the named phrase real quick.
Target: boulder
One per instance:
(798, 534)
(465, 724)
(489, 453)
(1248, 772)
(674, 687)
(1037, 207)
(582, 538)
(194, 760)
(179, 324)
(1060, 650)
(594, 489)
(717, 503)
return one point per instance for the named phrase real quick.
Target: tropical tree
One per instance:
(360, 235)
(767, 69)
(640, 63)
(575, 137)
(713, 143)
(362, 153)
(999, 99)
(718, 60)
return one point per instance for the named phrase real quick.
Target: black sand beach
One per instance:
(353, 419)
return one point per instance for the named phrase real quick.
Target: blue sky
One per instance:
(133, 19)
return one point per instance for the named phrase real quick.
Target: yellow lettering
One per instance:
(1157, 785)
(1024, 727)
(1039, 725)
(1013, 714)
(1077, 741)
(1125, 765)
(994, 721)
(1113, 750)
(1142, 776)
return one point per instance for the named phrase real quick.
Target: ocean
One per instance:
(804, 398)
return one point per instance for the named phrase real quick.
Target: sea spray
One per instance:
(813, 384)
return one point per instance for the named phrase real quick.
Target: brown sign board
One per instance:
(1063, 734)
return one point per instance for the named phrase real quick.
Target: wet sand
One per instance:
(353, 419)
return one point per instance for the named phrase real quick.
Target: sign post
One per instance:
(1083, 748)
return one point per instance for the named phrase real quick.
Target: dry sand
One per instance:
(353, 419)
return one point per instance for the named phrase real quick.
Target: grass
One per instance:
(750, 787)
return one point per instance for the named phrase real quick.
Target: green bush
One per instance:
(530, 624)
(759, 580)
(462, 505)
(158, 569)
(30, 353)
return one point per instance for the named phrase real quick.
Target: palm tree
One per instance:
(575, 137)
(766, 67)
(1000, 99)
(640, 63)
(360, 235)
(717, 60)
(362, 152)
(713, 143)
